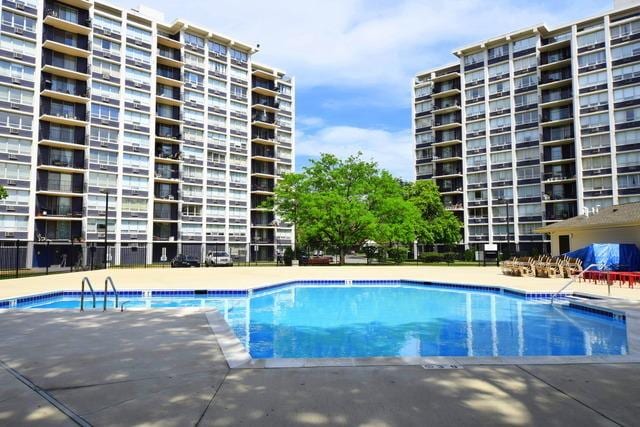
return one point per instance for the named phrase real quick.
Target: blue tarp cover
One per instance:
(614, 256)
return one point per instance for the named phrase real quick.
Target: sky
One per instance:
(354, 60)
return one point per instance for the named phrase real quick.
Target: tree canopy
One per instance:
(3, 193)
(343, 203)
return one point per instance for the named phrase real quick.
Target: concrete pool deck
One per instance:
(253, 277)
(165, 367)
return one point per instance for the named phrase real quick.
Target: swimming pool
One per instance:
(387, 319)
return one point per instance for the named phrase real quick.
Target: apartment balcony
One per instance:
(559, 135)
(559, 154)
(166, 174)
(263, 219)
(445, 89)
(446, 106)
(264, 103)
(450, 187)
(165, 211)
(166, 195)
(169, 40)
(262, 186)
(560, 211)
(69, 161)
(57, 186)
(263, 153)
(169, 56)
(57, 17)
(555, 78)
(54, 112)
(168, 133)
(54, 207)
(557, 116)
(264, 87)
(454, 207)
(170, 115)
(165, 232)
(559, 174)
(62, 65)
(556, 42)
(168, 95)
(264, 75)
(70, 137)
(444, 172)
(556, 98)
(443, 76)
(447, 122)
(58, 229)
(263, 169)
(59, 41)
(169, 76)
(262, 136)
(64, 89)
(555, 59)
(264, 120)
(444, 138)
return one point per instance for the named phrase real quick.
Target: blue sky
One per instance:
(353, 60)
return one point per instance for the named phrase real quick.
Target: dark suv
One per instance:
(182, 260)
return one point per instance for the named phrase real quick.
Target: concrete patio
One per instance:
(164, 368)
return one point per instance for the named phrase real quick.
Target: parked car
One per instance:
(218, 258)
(303, 258)
(187, 261)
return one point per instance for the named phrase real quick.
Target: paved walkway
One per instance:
(164, 368)
(251, 277)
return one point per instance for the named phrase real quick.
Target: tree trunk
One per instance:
(341, 256)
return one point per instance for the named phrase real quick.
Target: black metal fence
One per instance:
(20, 258)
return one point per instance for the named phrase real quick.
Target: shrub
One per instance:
(449, 257)
(398, 254)
(469, 255)
(430, 257)
(288, 256)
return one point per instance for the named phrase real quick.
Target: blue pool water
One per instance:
(397, 320)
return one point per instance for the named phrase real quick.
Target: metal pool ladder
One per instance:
(93, 294)
(108, 281)
(572, 280)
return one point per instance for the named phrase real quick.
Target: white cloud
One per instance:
(367, 43)
(391, 150)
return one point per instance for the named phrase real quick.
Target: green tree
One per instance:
(3, 193)
(439, 225)
(342, 203)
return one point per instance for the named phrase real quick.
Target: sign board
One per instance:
(489, 247)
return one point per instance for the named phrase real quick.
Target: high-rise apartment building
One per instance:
(533, 127)
(179, 126)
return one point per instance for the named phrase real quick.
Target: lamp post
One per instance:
(106, 224)
(506, 201)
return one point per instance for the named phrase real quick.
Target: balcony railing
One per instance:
(60, 186)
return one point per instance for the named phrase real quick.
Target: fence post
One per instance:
(17, 257)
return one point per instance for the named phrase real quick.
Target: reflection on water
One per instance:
(359, 321)
(412, 321)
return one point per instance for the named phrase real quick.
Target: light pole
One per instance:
(106, 224)
(506, 201)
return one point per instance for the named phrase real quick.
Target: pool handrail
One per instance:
(553, 297)
(93, 294)
(108, 281)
